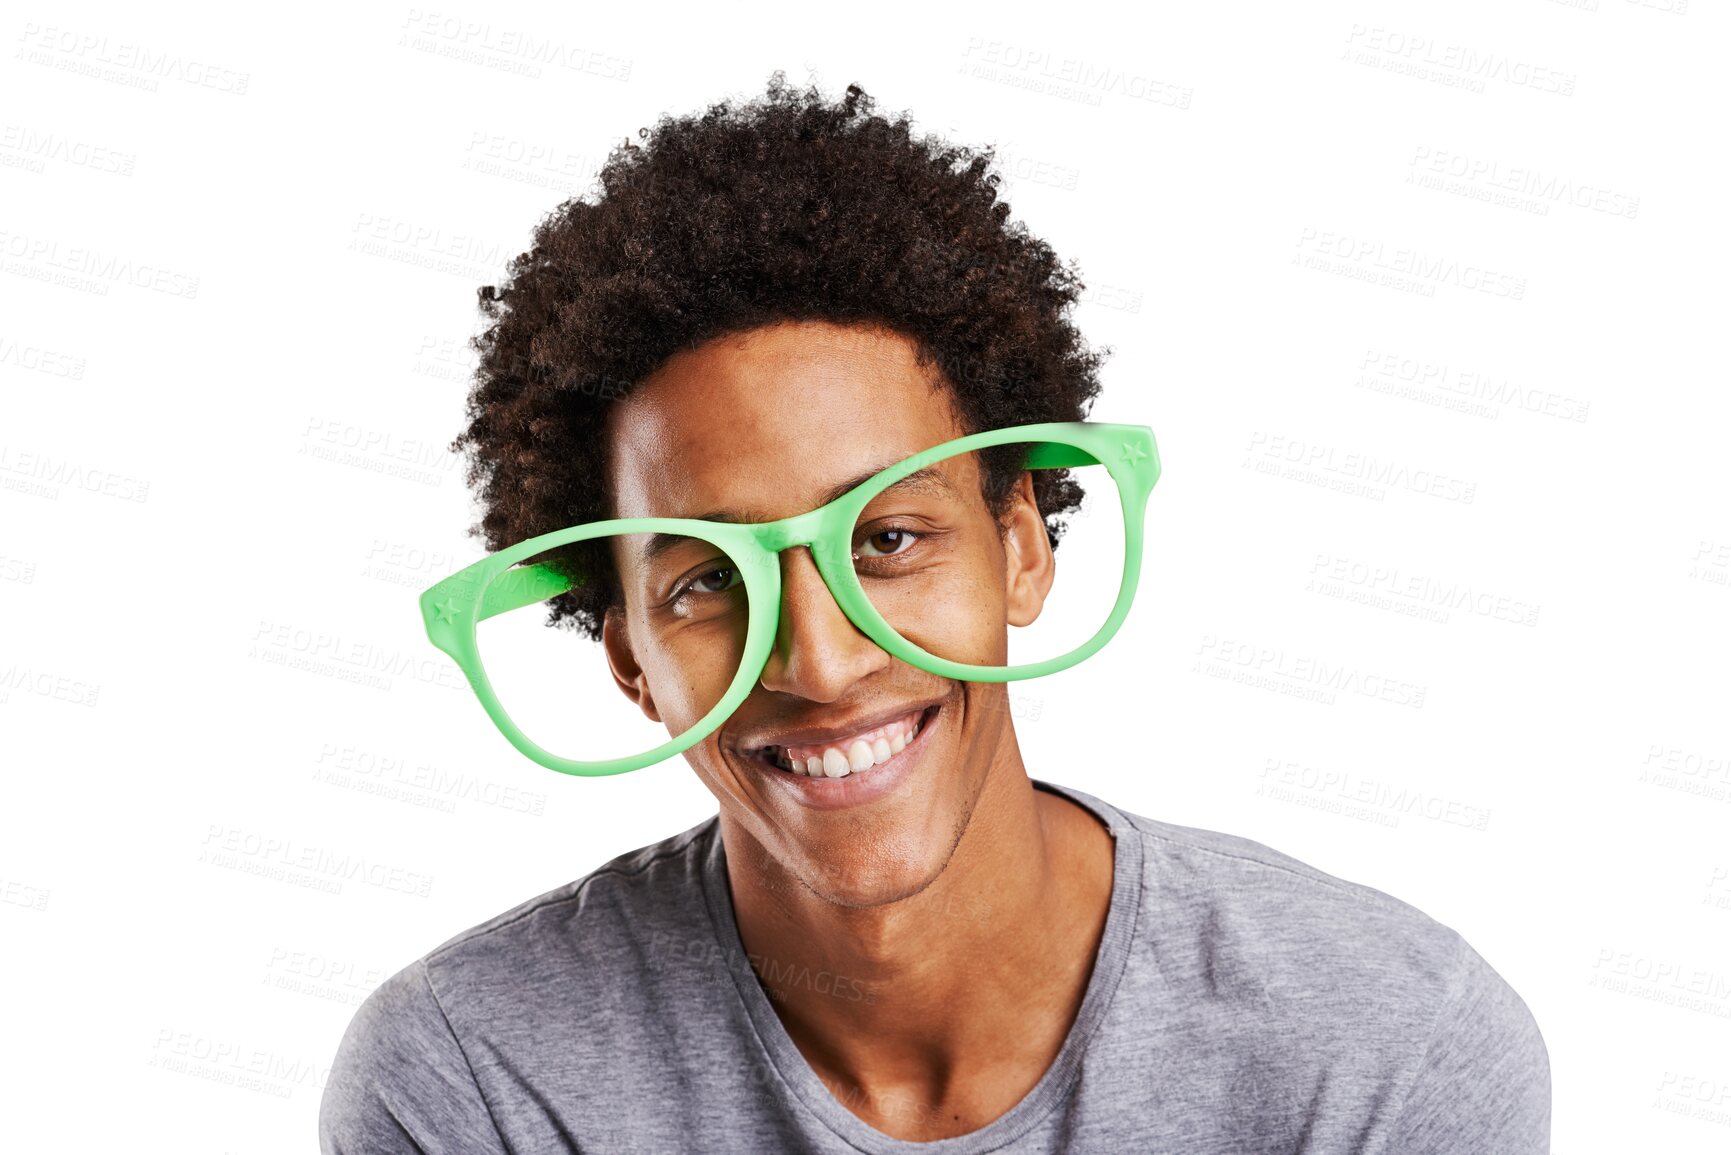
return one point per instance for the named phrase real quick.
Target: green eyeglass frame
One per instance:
(453, 607)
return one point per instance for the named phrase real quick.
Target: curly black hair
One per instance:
(787, 208)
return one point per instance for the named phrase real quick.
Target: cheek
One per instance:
(961, 613)
(689, 672)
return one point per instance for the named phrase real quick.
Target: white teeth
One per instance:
(835, 765)
(861, 753)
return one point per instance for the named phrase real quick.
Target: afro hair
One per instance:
(785, 208)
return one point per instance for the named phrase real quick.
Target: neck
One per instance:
(984, 967)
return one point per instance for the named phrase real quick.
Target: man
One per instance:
(765, 304)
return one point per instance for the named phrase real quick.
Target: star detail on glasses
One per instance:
(1133, 452)
(445, 610)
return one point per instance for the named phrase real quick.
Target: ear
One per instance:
(627, 674)
(1029, 567)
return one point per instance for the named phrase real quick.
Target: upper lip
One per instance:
(823, 735)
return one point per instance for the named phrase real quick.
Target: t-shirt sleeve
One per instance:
(400, 1083)
(1484, 1084)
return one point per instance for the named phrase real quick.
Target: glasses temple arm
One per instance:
(1055, 455)
(523, 586)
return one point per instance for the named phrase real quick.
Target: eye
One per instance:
(714, 581)
(893, 542)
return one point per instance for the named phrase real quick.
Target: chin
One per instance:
(878, 869)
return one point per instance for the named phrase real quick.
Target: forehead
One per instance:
(764, 423)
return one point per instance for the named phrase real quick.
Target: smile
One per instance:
(853, 754)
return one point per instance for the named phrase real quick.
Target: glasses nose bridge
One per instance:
(801, 529)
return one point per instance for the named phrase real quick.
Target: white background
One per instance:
(240, 252)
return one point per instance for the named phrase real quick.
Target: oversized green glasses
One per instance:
(912, 556)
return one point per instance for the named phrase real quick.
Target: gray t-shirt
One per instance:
(1241, 1002)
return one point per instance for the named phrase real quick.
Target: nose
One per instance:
(818, 652)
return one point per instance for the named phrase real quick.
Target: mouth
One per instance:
(878, 753)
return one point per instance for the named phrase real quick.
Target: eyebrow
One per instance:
(930, 480)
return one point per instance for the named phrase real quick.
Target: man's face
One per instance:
(762, 425)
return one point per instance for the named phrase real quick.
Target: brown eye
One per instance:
(704, 583)
(886, 543)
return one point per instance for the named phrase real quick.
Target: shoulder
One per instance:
(644, 892)
(1484, 1079)
(400, 1081)
(1355, 979)
(1268, 909)
(403, 1073)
